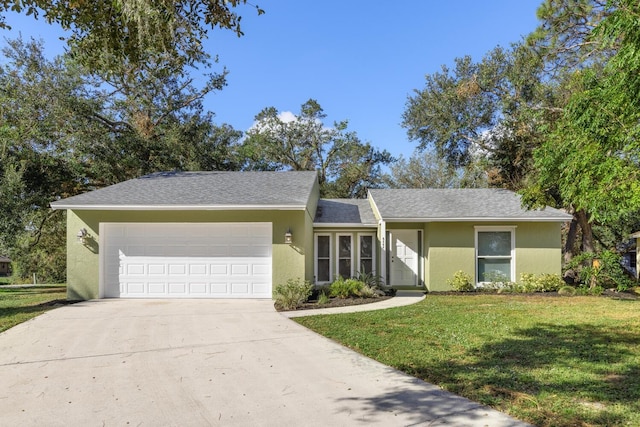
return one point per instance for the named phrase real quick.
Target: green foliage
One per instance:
(351, 288)
(346, 166)
(540, 283)
(292, 294)
(106, 34)
(484, 109)
(428, 170)
(600, 270)
(461, 282)
(567, 290)
(323, 297)
(374, 281)
(64, 131)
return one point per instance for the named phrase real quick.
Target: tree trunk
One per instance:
(587, 233)
(570, 242)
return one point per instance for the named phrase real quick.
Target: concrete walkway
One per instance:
(205, 363)
(402, 298)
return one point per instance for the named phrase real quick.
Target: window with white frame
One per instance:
(345, 255)
(323, 258)
(495, 249)
(366, 253)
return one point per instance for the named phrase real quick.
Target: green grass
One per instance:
(550, 361)
(18, 305)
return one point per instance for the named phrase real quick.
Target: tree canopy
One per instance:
(556, 115)
(346, 166)
(104, 34)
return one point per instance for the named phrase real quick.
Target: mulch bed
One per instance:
(608, 293)
(338, 302)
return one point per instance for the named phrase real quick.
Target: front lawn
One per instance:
(550, 361)
(18, 305)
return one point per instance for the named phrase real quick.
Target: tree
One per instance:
(64, 131)
(427, 170)
(107, 33)
(590, 159)
(493, 107)
(346, 166)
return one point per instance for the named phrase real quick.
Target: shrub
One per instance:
(495, 280)
(567, 290)
(347, 288)
(541, 283)
(461, 282)
(368, 292)
(604, 270)
(323, 297)
(291, 295)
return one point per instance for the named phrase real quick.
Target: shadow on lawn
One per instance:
(501, 371)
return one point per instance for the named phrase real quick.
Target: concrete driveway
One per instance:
(204, 362)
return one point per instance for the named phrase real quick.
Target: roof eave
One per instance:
(479, 219)
(178, 207)
(342, 225)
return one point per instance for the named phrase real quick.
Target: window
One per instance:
(345, 251)
(323, 258)
(495, 253)
(366, 262)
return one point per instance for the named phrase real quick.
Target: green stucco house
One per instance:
(238, 234)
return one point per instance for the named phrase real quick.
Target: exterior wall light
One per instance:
(288, 237)
(82, 235)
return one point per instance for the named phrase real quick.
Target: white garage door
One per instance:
(169, 260)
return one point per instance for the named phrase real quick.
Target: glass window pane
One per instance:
(344, 268)
(323, 246)
(366, 246)
(494, 243)
(344, 247)
(366, 266)
(323, 270)
(494, 269)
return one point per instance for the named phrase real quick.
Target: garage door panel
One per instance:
(157, 288)
(187, 260)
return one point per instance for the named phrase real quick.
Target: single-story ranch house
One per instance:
(239, 234)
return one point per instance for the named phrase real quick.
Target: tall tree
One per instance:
(590, 158)
(346, 166)
(64, 131)
(493, 107)
(425, 169)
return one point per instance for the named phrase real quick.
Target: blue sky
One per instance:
(359, 59)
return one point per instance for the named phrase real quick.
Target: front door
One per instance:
(404, 258)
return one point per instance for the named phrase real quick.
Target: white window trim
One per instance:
(315, 257)
(373, 251)
(337, 253)
(509, 228)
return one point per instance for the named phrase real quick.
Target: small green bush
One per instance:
(567, 290)
(539, 283)
(291, 295)
(347, 288)
(461, 282)
(323, 298)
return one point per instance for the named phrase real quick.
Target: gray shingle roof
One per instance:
(4, 258)
(458, 204)
(195, 190)
(345, 211)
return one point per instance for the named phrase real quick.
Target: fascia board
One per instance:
(480, 219)
(178, 207)
(342, 225)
